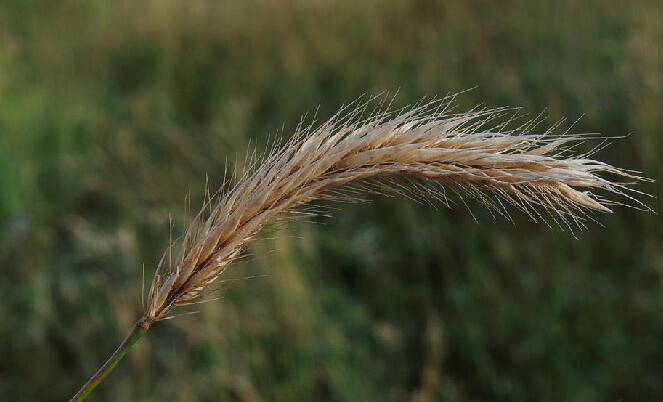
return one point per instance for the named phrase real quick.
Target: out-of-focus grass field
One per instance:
(110, 112)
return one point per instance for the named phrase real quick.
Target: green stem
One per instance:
(138, 330)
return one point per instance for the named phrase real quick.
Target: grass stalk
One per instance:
(137, 331)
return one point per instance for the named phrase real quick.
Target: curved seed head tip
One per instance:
(582, 198)
(472, 153)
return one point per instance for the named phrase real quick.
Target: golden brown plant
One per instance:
(428, 145)
(428, 142)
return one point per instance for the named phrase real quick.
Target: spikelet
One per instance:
(473, 152)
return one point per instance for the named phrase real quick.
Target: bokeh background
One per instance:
(111, 112)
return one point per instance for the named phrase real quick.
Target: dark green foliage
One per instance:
(110, 112)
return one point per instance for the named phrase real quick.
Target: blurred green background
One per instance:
(110, 112)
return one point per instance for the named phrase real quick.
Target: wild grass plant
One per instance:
(111, 111)
(426, 151)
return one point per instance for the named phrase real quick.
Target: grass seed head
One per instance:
(473, 153)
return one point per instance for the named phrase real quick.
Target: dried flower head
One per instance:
(473, 153)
